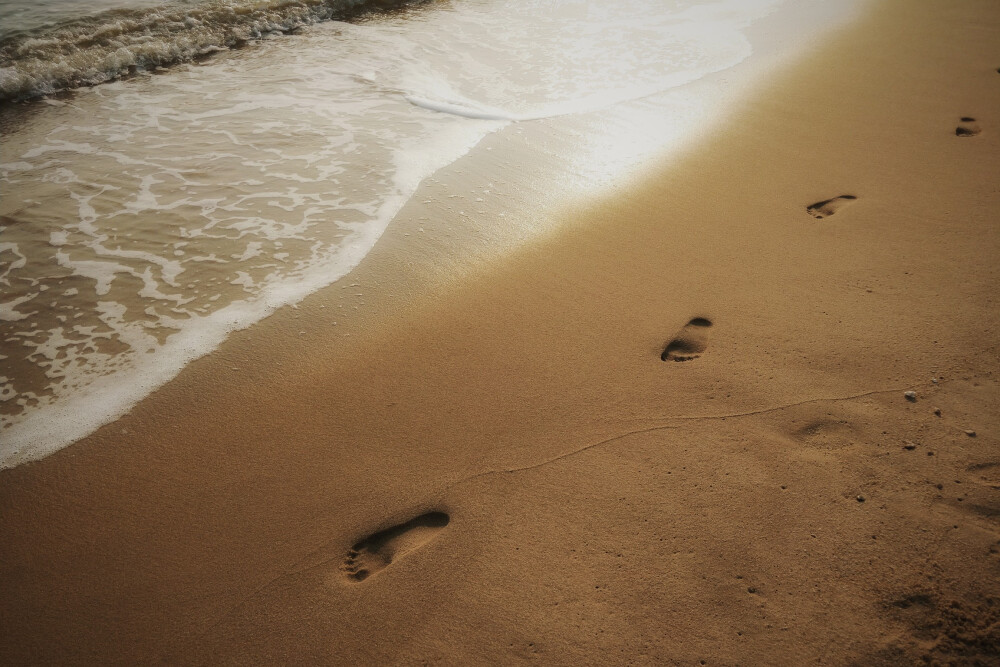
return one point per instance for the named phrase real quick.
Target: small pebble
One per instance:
(909, 446)
(911, 396)
(969, 432)
(934, 380)
(861, 499)
(937, 411)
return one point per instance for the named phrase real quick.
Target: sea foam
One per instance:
(145, 220)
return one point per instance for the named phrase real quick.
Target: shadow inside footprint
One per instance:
(967, 127)
(689, 342)
(827, 207)
(377, 551)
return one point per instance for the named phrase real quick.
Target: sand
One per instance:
(503, 468)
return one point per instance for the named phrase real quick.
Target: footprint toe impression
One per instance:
(378, 551)
(967, 127)
(689, 342)
(827, 207)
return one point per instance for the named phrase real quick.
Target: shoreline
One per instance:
(577, 162)
(760, 501)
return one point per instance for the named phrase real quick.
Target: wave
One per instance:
(116, 43)
(466, 109)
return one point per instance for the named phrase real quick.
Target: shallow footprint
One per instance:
(967, 127)
(827, 207)
(689, 342)
(377, 551)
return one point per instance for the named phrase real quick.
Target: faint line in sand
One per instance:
(664, 427)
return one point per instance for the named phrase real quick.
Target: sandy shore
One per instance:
(553, 491)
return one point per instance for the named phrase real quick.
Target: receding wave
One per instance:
(119, 42)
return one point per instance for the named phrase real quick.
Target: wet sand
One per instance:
(674, 431)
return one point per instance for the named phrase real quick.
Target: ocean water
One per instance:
(181, 170)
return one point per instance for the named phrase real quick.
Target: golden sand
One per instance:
(673, 432)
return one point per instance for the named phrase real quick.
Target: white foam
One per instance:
(9, 312)
(291, 172)
(102, 273)
(465, 110)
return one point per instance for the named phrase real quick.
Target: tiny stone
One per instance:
(909, 446)
(911, 396)
(937, 411)
(969, 432)
(934, 380)
(861, 499)
(751, 590)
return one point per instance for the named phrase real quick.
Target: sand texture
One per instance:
(675, 431)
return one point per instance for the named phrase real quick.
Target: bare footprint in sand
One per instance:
(827, 207)
(378, 551)
(967, 127)
(689, 342)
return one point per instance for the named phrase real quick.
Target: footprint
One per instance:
(827, 207)
(967, 128)
(689, 342)
(378, 551)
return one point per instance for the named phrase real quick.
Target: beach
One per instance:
(740, 407)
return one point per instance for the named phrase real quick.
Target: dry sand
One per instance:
(552, 491)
